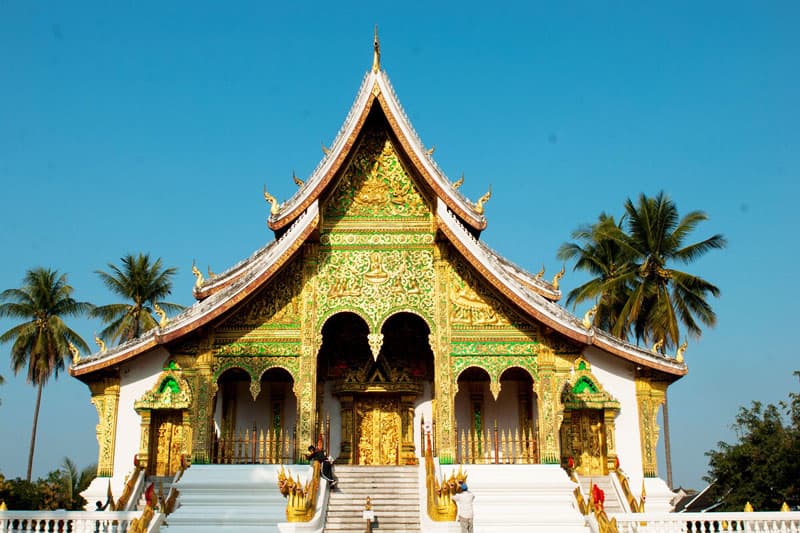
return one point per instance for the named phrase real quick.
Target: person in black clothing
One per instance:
(315, 454)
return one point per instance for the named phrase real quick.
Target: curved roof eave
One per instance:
(260, 270)
(376, 87)
(542, 309)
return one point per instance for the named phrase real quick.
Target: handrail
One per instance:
(593, 508)
(133, 489)
(635, 506)
(301, 500)
(441, 507)
(139, 525)
(102, 521)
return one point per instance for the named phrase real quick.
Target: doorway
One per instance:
(166, 442)
(378, 430)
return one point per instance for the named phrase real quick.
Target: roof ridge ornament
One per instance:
(199, 275)
(376, 57)
(297, 181)
(459, 182)
(681, 351)
(273, 202)
(558, 276)
(482, 200)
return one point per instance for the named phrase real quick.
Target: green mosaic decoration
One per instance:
(255, 366)
(258, 348)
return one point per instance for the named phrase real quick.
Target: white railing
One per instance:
(768, 522)
(67, 521)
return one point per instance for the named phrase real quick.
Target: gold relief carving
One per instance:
(371, 238)
(472, 304)
(277, 304)
(378, 430)
(375, 284)
(375, 342)
(255, 388)
(105, 397)
(375, 184)
(170, 391)
(494, 388)
(650, 395)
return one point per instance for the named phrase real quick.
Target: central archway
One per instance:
(373, 388)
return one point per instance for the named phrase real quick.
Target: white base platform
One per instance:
(518, 498)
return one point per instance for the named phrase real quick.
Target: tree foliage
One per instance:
(143, 284)
(41, 343)
(763, 466)
(60, 489)
(638, 290)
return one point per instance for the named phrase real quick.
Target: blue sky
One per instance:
(154, 127)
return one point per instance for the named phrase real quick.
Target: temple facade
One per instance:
(377, 315)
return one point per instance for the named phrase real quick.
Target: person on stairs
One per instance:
(326, 463)
(464, 501)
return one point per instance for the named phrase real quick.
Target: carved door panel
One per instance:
(378, 430)
(588, 442)
(166, 443)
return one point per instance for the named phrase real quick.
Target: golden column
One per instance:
(204, 388)
(549, 408)
(348, 434)
(649, 396)
(609, 423)
(444, 382)
(105, 397)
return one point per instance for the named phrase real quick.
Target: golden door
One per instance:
(166, 443)
(378, 430)
(588, 442)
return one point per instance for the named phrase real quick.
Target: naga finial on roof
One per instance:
(325, 149)
(482, 200)
(657, 346)
(558, 276)
(297, 181)
(272, 200)
(76, 354)
(100, 343)
(588, 318)
(376, 58)
(162, 315)
(199, 275)
(681, 351)
(540, 274)
(459, 182)
(430, 151)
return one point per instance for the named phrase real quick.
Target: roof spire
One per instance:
(376, 58)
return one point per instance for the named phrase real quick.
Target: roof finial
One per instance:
(376, 58)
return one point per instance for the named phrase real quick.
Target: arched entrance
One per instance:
(254, 423)
(496, 426)
(165, 425)
(587, 431)
(378, 381)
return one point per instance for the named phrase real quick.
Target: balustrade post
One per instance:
(496, 444)
(254, 445)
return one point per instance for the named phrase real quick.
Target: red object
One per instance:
(150, 495)
(616, 463)
(571, 463)
(136, 460)
(598, 496)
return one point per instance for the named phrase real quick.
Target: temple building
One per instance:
(375, 316)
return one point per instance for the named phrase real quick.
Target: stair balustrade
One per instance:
(301, 499)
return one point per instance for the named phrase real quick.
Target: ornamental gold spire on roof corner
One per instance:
(376, 58)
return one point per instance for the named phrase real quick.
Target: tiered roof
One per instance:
(458, 219)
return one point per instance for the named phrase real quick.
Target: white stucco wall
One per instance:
(136, 377)
(616, 376)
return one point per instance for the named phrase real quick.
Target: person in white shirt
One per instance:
(464, 501)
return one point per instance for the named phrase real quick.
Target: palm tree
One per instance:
(649, 297)
(144, 284)
(75, 482)
(42, 342)
(606, 260)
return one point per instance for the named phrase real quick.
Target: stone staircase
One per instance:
(221, 498)
(393, 490)
(612, 502)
